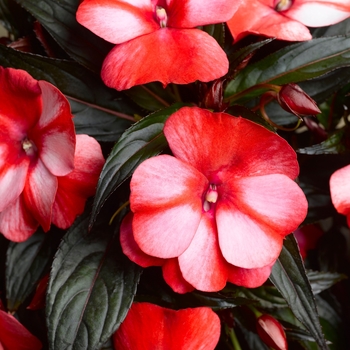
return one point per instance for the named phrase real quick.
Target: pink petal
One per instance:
(75, 188)
(202, 264)
(340, 190)
(328, 12)
(194, 13)
(16, 222)
(161, 328)
(166, 198)
(273, 200)
(221, 145)
(166, 55)
(39, 193)
(13, 335)
(117, 21)
(258, 17)
(249, 278)
(243, 241)
(130, 247)
(54, 135)
(173, 277)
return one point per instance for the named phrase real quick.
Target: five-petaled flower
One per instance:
(218, 211)
(148, 327)
(46, 171)
(156, 40)
(286, 19)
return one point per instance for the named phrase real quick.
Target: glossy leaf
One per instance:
(91, 288)
(341, 28)
(26, 263)
(322, 280)
(143, 140)
(289, 277)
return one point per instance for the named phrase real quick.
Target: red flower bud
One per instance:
(271, 332)
(293, 99)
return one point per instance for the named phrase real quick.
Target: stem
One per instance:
(165, 103)
(233, 337)
(118, 114)
(118, 211)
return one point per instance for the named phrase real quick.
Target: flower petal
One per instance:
(16, 222)
(255, 17)
(249, 278)
(222, 145)
(340, 190)
(166, 198)
(54, 135)
(117, 21)
(13, 335)
(173, 277)
(166, 55)
(202, 264)
(130, 247)
(75, 188)
(161, 328)
(39, 193)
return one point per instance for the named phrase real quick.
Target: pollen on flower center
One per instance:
(283, 5)
(161, 16)
(29, 147)
(211, 196)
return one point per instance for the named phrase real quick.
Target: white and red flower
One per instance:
(157, 40)
(46, 171)
(218, 211)
(286, 19)
(148, 327)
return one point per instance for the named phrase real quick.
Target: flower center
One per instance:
(283, 5)
(29, 147)
(210, 197)
(162, 17)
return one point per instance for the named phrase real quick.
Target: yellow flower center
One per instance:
(283, 5)
(161, 16)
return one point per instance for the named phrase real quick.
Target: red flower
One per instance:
(15, 336)
(149, 327)
(157, 40)
(218, 211)
(46, 171)
(286, 19)
(340, 191)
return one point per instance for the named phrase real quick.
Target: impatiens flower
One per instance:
(340, 191)
(148, 327)
(157, 40)
(46, 171)
(14, 335)
(286, 19)
(218, 211)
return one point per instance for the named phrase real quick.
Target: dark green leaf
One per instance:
(91, 288)
(143, 140)
(322, 280)
(58, 18)
(289, 277)
(341, 28)
(26, 263)
(293, 63)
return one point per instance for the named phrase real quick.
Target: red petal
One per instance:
(117, 21)
(194, 13)
(160, 328)
(54, 135)
(74, 189)
(39, 193)
(173, 277)
(249, 278)
(166, 55)
(39, 299)
(340, 190)
(222, 145)
(15, 336)
(202, 264)
(255, 17)
(16, 222)
(130, 247)
(166, 198)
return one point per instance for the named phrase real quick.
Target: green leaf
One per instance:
(341, 28)
(293, 63)
(58, 18)
(143, 140)
(289, 277)
(322, 280)
(91, 288)
(26, 263)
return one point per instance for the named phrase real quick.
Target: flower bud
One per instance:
(271, 332)
(294, 100)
